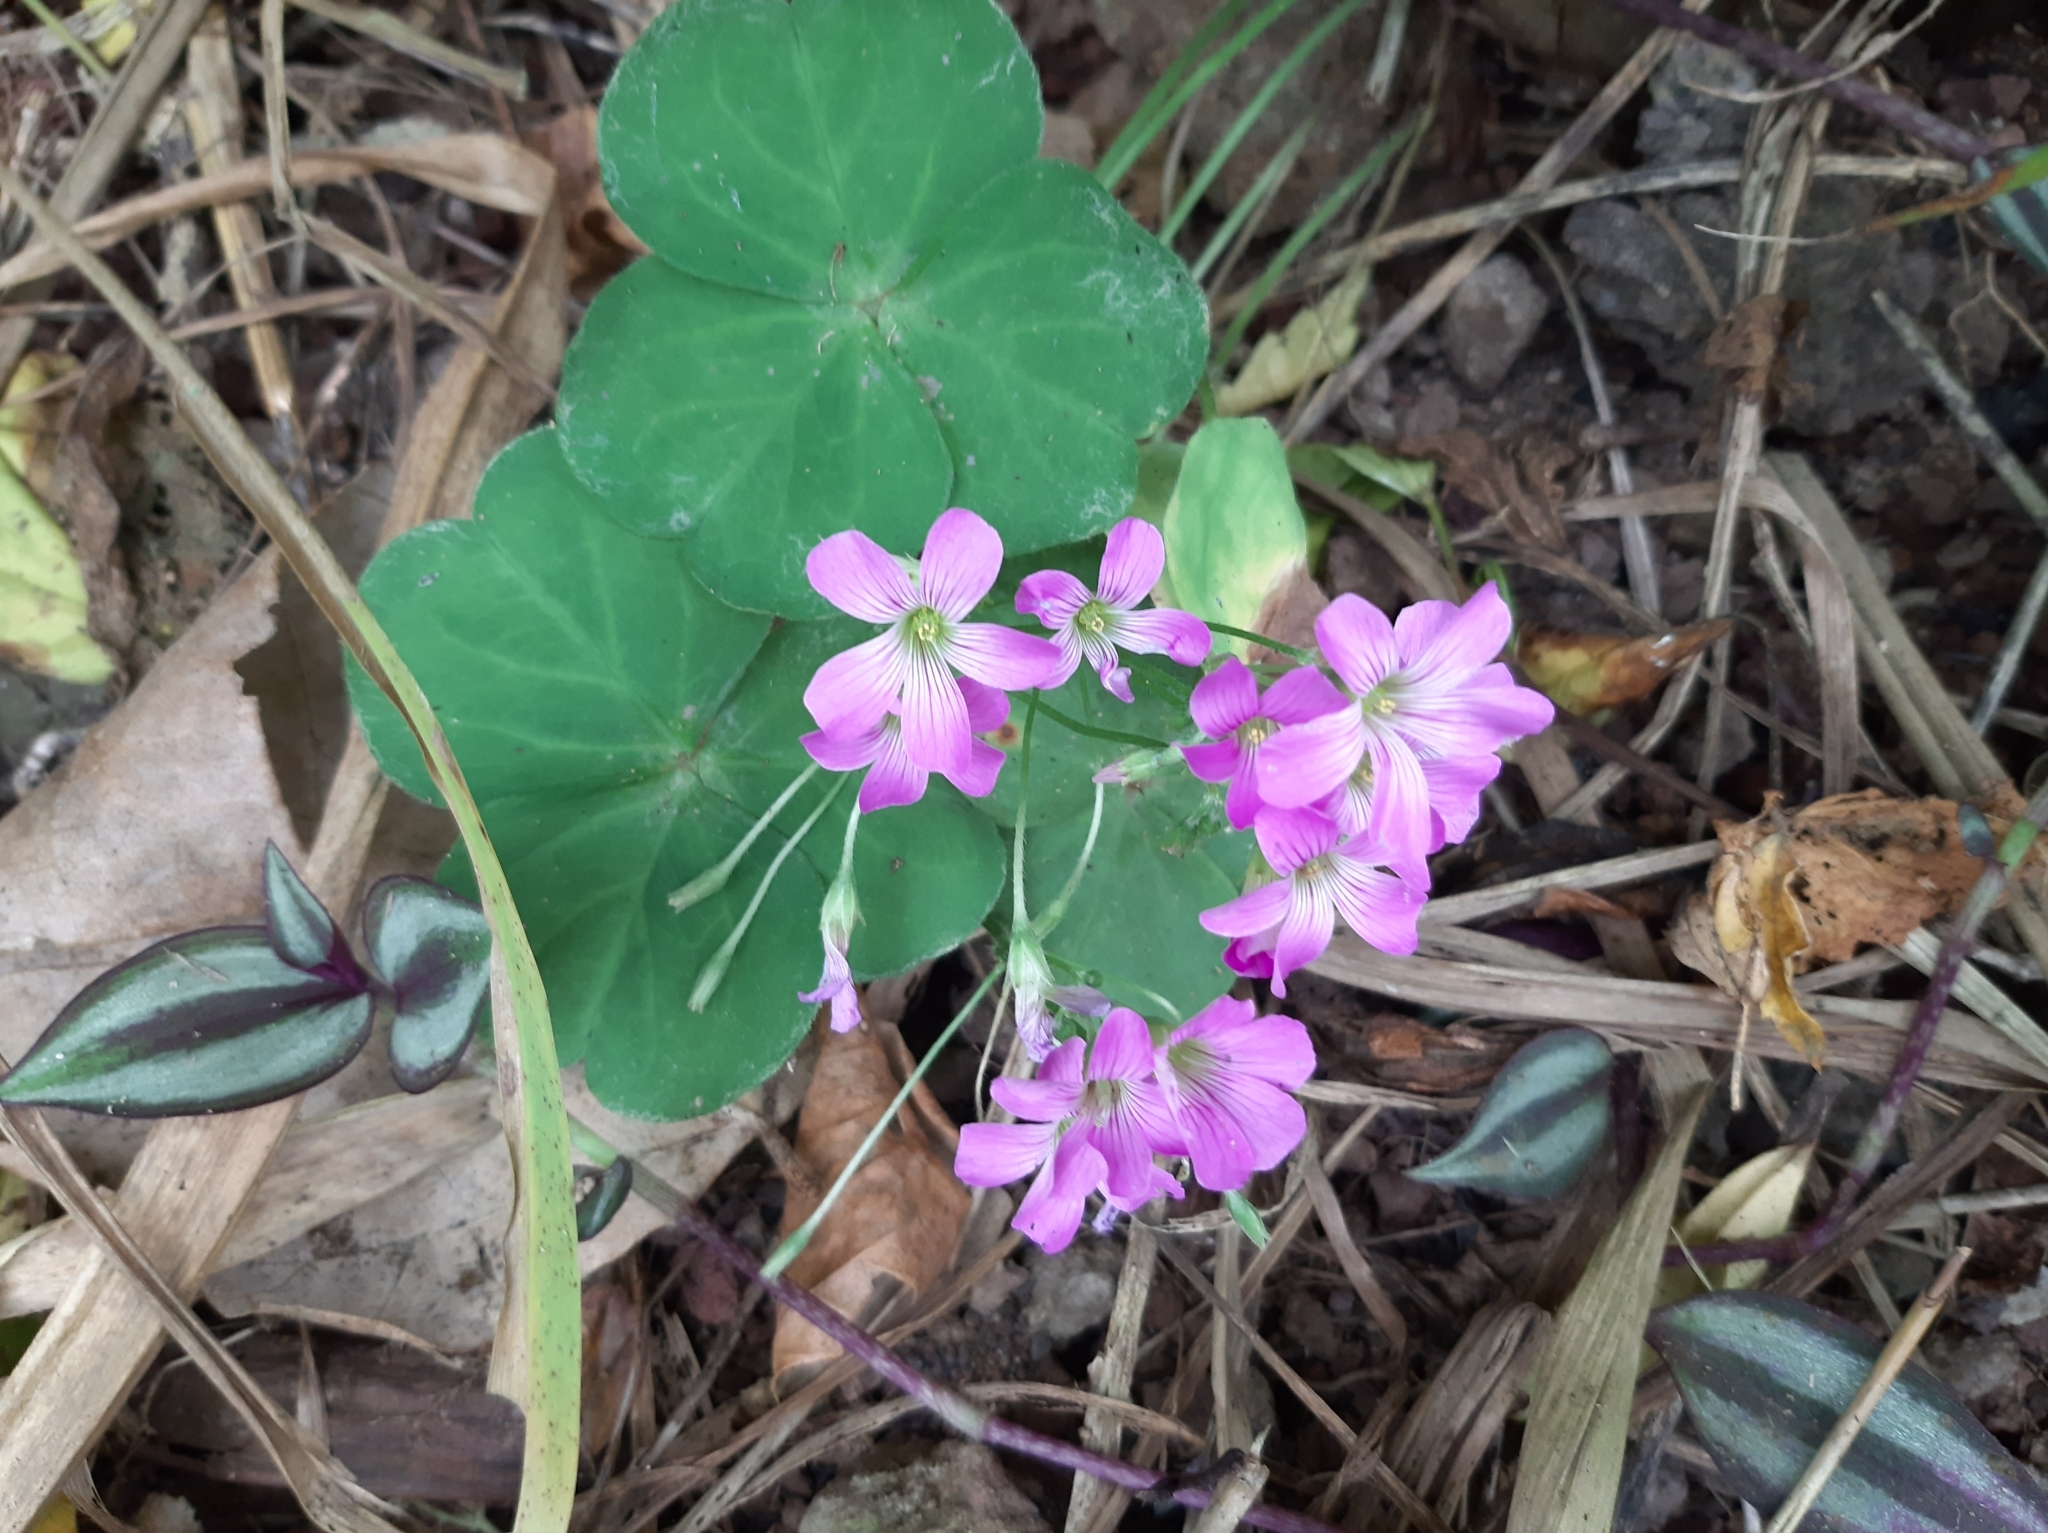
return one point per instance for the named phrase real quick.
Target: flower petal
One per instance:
(1242, 804)
(894, 779)
(1291, 837)
(988, 708)
(1051, 1210)
(984, 766)
(857, 575)
(1380, 907)
(1437, 647)
(1065, 1063)
(1249, 914)
(1251, 956)
(1358, 641)
(1304, 932)
(1039, 1100)
(1224, 699)
(935, 733)
(1237, 1126)
(1004, 658)
(1304, 762)
(1181, 636)
(1051, 596)
(1126, 1153)
(844, 753)
(1131, 563)
(1302, 694)
(1215, 762)
(1455, 784)
(996, 1154)
(962, 556)
(851, 691)
(1399, 822)
(1123, 1048)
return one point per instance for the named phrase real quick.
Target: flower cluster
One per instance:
(1215, 1091)
(1350, 769)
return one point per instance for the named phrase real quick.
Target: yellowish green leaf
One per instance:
(42, 593)
(1316, 341)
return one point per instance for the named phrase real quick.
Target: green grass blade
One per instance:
(1256, 196)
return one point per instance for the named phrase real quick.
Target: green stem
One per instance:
(714, 971)
(704, 885)
(1018, 918)
(1178, 85)
(1305, 656)
(793, 1244)
(1053, 913)
(1115, 736)
(85, 56)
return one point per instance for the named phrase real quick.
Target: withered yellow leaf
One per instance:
(1781, 934)
(1583, 672)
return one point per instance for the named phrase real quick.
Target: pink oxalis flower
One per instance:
(893, 778)
(1097, 623)
(1228, 709)
(1227, 1074)
(836, 921)
(1085, 1127)
(1322, 875)
(908, 670)
(1424, 687)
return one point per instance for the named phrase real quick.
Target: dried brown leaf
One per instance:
(897, 1223)
(1582, 672)
(599, 243)
(1482, 472)
(1561, 901)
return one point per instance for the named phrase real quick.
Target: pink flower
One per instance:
(1094, 623)
(1227, 707)
(1084, 1130)
(836, 986)
(893, 778)
(909, 669)
(1321, 876)
(837, 917)
(1423, 687)
(1227, 1073)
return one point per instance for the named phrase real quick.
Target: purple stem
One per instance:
(951, 1407)
(1936, 133)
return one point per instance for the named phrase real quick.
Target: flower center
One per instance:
(1362, 778)
(1102, 1099)
(1380, 700)
(1253, 733)
(1315, 868)
(1093, 618)
(926, 626)
(1191, 1062)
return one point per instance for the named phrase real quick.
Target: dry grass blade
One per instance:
(1110, 1374)
(1330, 1212)
(1419, 569)
(1570, 1469)
(1235, 1493)
(325, 1488)
(383, 27)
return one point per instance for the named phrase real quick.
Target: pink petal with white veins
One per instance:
(1131, 563)
(894, 780)
(1224, 699)
(1304, 933)
(962, 555)
(1065, 1063)
(1273, 1049)
(844, 753)
(1304, 762)
(1302, 694)
(1145, 1102)
(1399, 822)
(851, 691)
(1039, 1100)
(1241, 802)
(996, 1154)
(984, 766)
(1181, 636)
(1051, 1210)
(1433, 650)
(1236, 1126)
(1290, 837)
(987, 707)
(1358, 641)
(935, 732)
(1251, 956)
(1381, 908)
(859, 576)
(1051, 596)
(1455, 784)
(1003, 658)
(1126, 1154)
(1249, 914)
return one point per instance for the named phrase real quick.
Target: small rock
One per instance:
(953, 1487)
(1434, 411)
(1075, 1290)
(1308, 1324)
(1689, 116)
(167, 1514)
(1491, 319)
(1977, 1367)
(1963, 551)
(986, 1296)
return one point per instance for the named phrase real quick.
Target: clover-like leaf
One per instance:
(1545, 1117)
(868, 299)
(1766, 1377)
(621, 730)
(433, 948)
(1235, 538)
(203, 1022)
(302, 933)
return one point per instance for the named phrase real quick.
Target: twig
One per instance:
(383, 27)
(2002, 461)
(1890, 1363)
(1237, 1488)
(951, 1407)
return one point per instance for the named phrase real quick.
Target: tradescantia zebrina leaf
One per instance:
(868, 299)
(1545, 1117)
(1764, 1379)
(433, 948)
(621, 730)
(206, 1021)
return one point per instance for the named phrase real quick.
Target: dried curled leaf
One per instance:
(1581, 672)
(1755, 1201)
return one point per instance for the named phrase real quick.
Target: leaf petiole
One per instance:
(1115, 736)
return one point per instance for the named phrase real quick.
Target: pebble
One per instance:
(1491, 319)
(1074, 1291)
(956, 1486)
